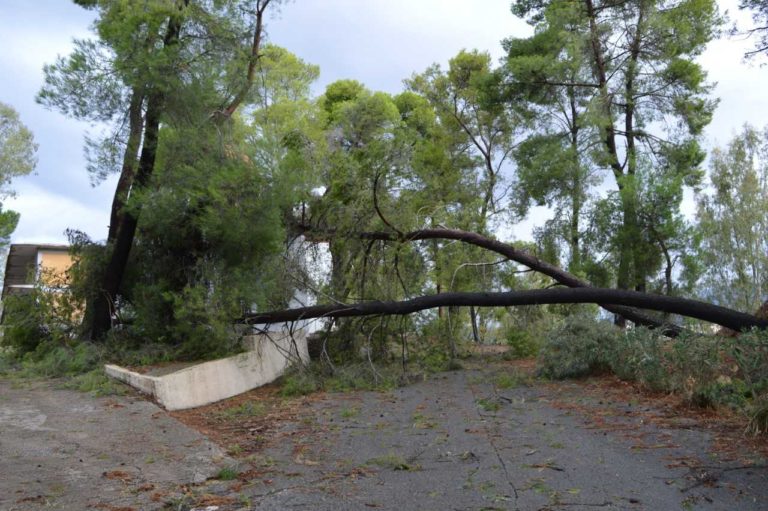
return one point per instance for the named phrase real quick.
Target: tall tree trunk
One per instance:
(631, 221)
(473, 318)
(130, 159)
(577, 190)
(113, 275)
(104, 302)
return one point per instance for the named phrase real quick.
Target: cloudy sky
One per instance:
(378, 42)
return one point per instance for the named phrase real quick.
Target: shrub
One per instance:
(52, 360)
(694, 363)
(97, 383)
(637, 355)
(299, 383)
(750, 352)
(522, 343)
(576, 347)
(758, 416)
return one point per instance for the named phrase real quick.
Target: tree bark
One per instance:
(130, 157)
(473, 318)
(113, 275)
(728, 318)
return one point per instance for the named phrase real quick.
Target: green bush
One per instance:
(694, 363)
(24, 324)
(52, 360)
(576, 347)
(637, 355)
(342, 378)
(299, 383)
(522, 343)
(97, 383)
(758, 415)
(750, 352)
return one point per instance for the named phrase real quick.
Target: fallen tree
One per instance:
(505, 249)
(728, 318)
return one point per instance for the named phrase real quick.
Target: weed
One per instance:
(489, 405)
(510, 380)
(235, 449)
(348, 413)
(55, 360)
(522, 344)
(421, 421)
(758, 416)
(299, 384)
(244, 410)
(227, 474)
(96, 383)
(393, 462)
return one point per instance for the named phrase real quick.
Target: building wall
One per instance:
(53, 266)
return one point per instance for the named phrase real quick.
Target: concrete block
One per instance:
(268, 356)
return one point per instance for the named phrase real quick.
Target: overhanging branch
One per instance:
(728, 318)
(520, 256)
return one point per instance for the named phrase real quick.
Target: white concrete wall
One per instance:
(268, 357)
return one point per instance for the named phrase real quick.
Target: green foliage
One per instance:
(44, 316)
(576, 347)
(24, 324)
(341, 378)
(96, 383)
(227, 474)
(52, 360)
(637, 355)
(17, 148)
(758, 416)
(705, 370)
(392, 461)
(17, 158)
(244, 410)
(522, 343)
(511, 379)
(299, 383)
(594, 122)
(488, 405)
(733, 224)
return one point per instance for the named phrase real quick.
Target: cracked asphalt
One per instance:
(458, 441)
(62, 449)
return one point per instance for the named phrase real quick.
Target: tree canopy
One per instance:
(238, 188)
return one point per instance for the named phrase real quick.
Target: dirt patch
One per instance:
(607, 403)
(246, 424)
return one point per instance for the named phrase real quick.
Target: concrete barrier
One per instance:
(268, 356)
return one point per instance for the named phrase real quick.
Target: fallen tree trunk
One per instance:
(509, 251)
(728, 318)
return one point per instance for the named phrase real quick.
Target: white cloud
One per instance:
(382, 42)
(45, 215)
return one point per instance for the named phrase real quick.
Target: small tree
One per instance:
(17, 158)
